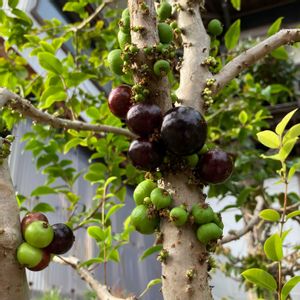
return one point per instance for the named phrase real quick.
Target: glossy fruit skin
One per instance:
(202, 215)
(164, 11)
(141, 220)
(161, 67)
(209, 232)
(165, 33)
(125, 13)
(63, 239)
(34, 259)
(215, 166)
(115, 61)
(143, 190)
(215, 27)
(31, 217)
(39, 234)
(183, 130)
(160, 198)
(123, 39)
(125, 24)
(143, 119)
(146, 155)
(178, 216)
(119, 101)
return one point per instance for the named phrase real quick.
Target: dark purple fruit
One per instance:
(63, 239)
(215, 166)
(119, 101)
(32, 217)
(143, 119)
(146, 155)
(183, 130)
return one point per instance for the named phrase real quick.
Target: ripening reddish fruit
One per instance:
(119, 101)
(63, 239)
(143, 119)
(183, 130)
(215, 166)
(34, 259)
(31, 217)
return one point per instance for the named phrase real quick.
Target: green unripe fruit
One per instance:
(174, 25)
(125, 24)
(217, 220)
(123, 39)
(115, 61)
(161, 68)
(165, 33)
(39, 234)
(164, 11)
(160, 198)
(209, 232)
(28, 255)
(125, 13)
(34, 259)
(202, 215)
(215, 27)
(192, 160)
(142, 222)
(143, 190)
(178, 216)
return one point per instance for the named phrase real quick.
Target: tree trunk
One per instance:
(184, 273)
(12, 275)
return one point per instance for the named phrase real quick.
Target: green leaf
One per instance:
(273, 247)
(261, 278)
(285, 234)
(151, 250)
(56, 97)
(236, 4)
(50, 63)
(288, 286)
(287, 148)
(270, 215)
(13, 3)
(109, 181)
(113, 210)
(75, 78)
(269, 139)
(43, 207)
(282, 124)
(114, 255)
(233, 34)
(149, 285)
(278, 88)
(293, 214)
(275, 26)
(243, 117)
(96, 233)
(20, 199)
(87, 263)
(293, 132)
(43, 190)
(71, 144)
(22, 16)
(280, 53)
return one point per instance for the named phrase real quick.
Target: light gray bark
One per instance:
(12, 275)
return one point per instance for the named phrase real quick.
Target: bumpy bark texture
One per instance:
(12, 275)
(184, 274)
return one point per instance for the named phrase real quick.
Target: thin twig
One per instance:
(25, 107)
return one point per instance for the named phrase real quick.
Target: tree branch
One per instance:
(148, 37)
(102, 291)
(252, 55)
(24, 107)
(196, 45)
(235, 235)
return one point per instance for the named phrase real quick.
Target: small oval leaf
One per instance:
(261, 278)
(288, 286)
(233, 34)
(270, 215)
(282, 124)
(269, 139)
(150, 251)
(273, 247)
(293, 214)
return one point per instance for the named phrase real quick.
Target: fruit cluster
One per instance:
(42, 240)
(153, 203)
